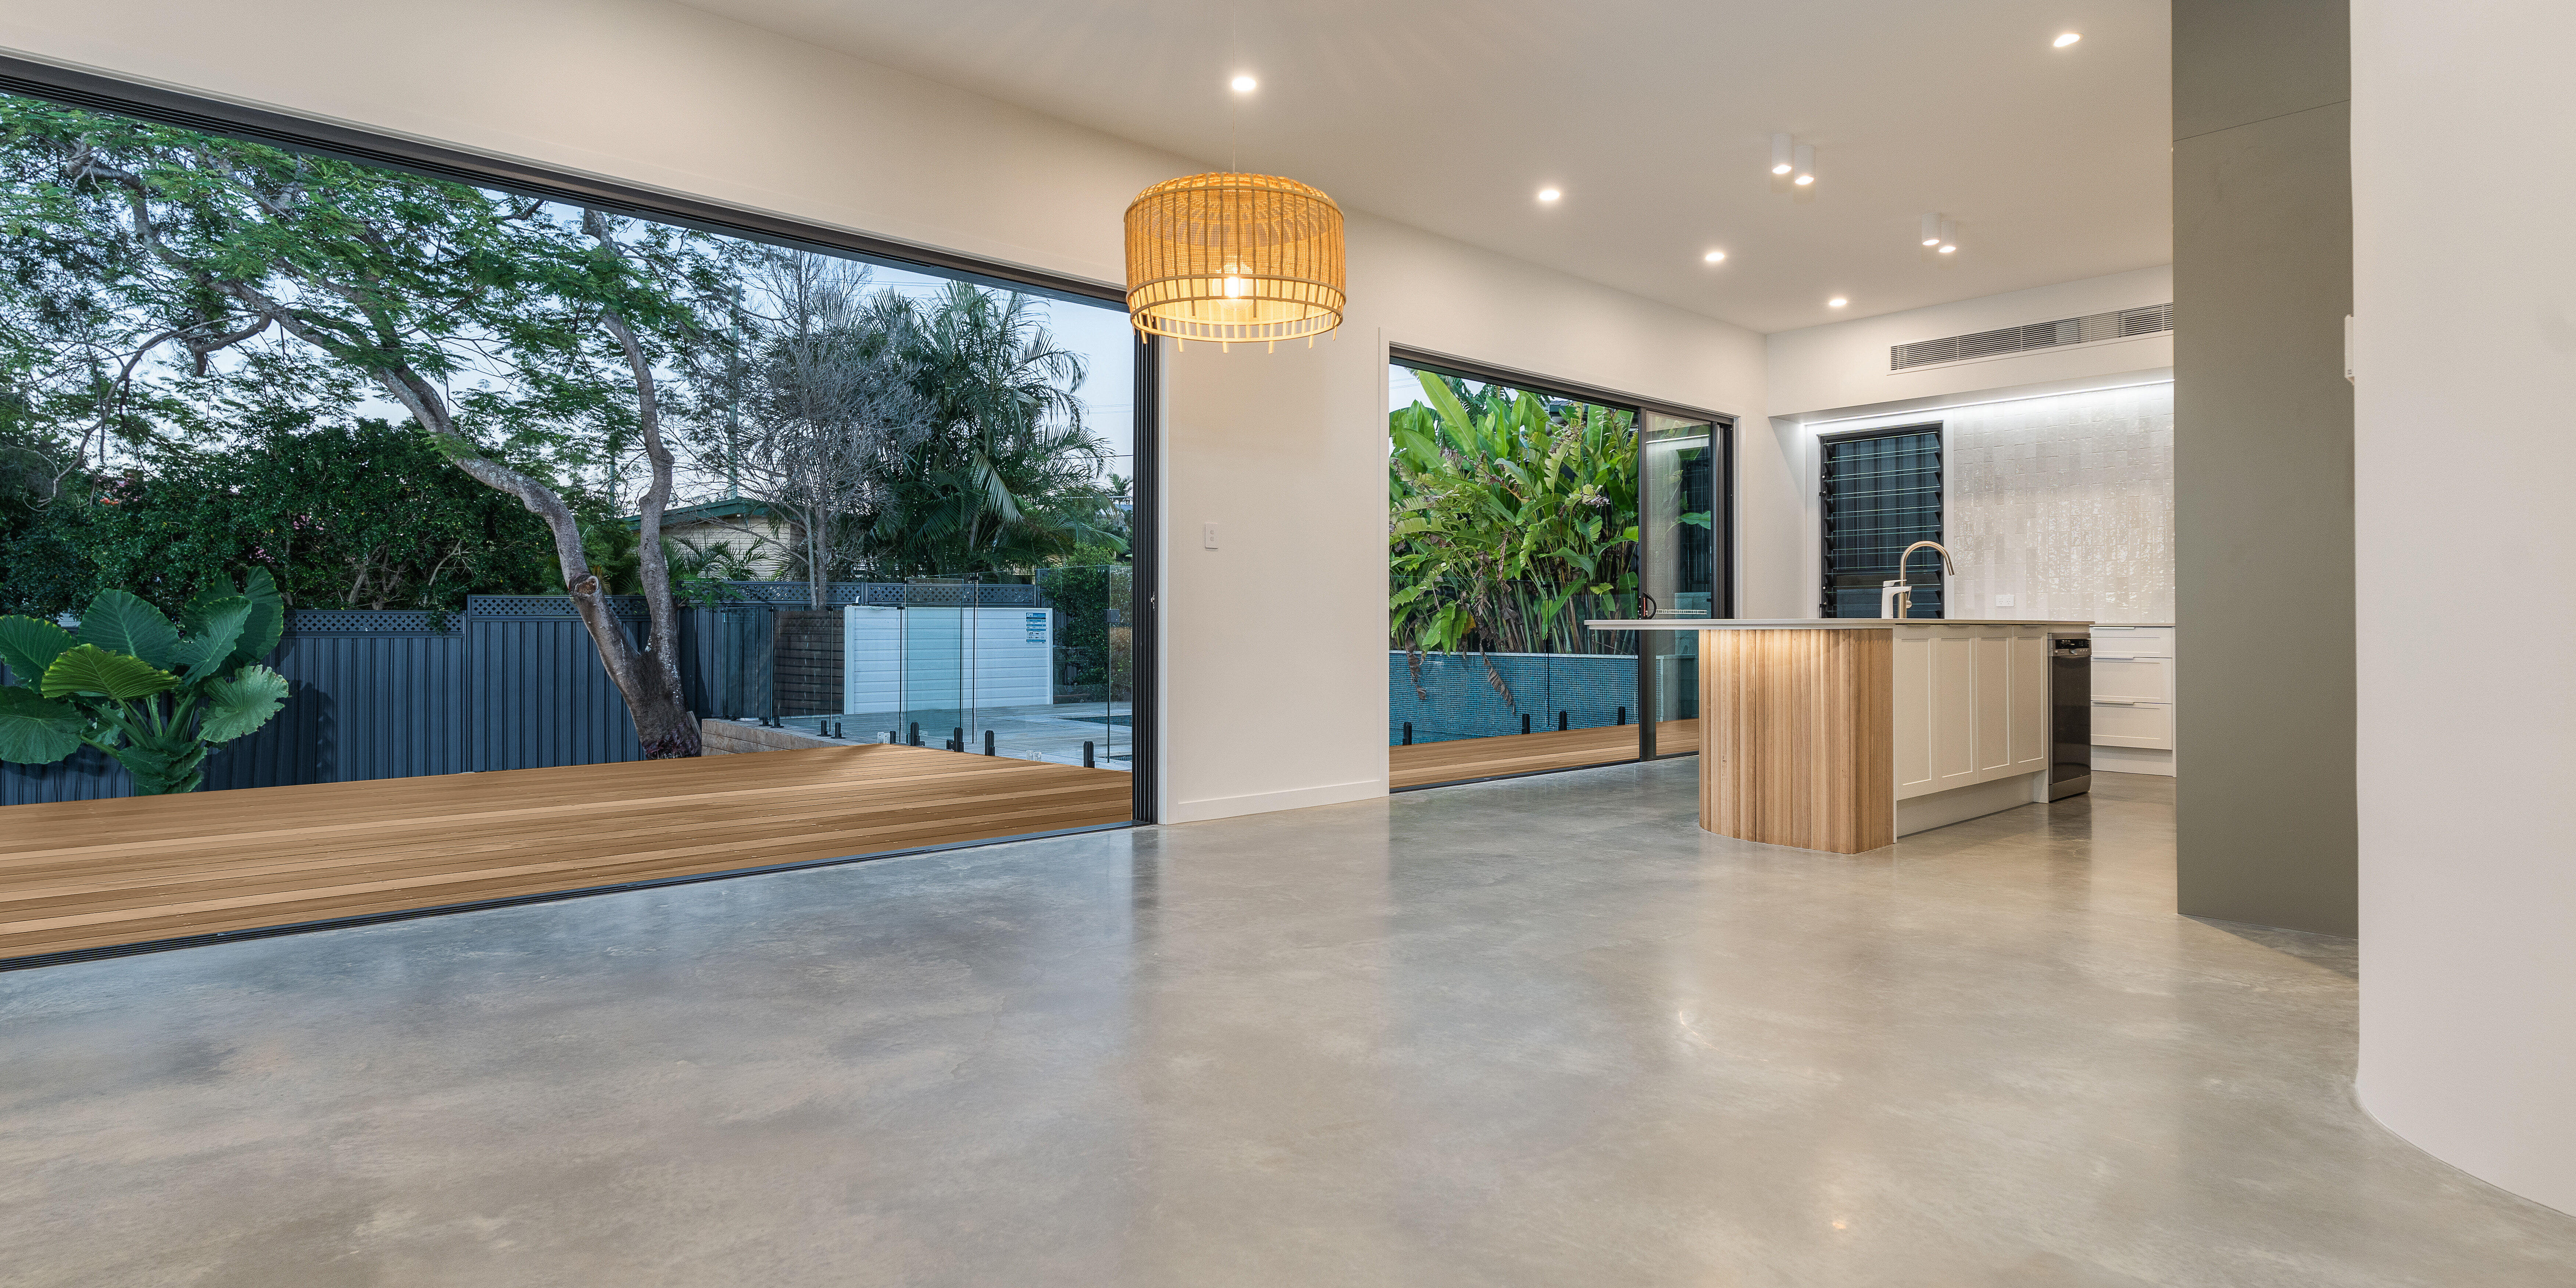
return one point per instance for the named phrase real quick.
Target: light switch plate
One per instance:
(2003, 601)
(1209, 540)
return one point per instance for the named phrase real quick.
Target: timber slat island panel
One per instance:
(1798, 729)
(94, 874)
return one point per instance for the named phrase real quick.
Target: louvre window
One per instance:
(1882, 493)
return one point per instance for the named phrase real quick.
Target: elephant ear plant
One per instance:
(154, 695)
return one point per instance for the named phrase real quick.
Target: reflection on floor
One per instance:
(1533, 1032)
(87, 874)
(1461, 759)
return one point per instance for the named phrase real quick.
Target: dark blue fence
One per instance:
(513, 682)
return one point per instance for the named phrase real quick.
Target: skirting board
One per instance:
(1959, 804)
(1215, 807)
(2134, 760)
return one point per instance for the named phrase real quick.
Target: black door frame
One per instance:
(33, 79)
(1723, 431)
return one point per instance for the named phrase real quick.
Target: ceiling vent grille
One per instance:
(2124, 324)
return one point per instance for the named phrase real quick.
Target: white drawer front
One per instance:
(2124, 724)
(2132, 679)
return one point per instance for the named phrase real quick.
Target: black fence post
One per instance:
(1525, 728)
(988, 742)
(916, 733)
(1408, 733)
(1086, 755)
(1560, 722)
(1623, 716)
(957, 738)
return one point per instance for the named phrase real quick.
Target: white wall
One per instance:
(2466, 307)
(1843, 365)
(1279, 694)
(1275, 643)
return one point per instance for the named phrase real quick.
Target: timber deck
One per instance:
(1459, 760)
(87, 875)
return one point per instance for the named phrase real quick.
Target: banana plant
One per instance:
(155, 695)
(1508, 520)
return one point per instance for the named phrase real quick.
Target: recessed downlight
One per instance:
(1714, 257)
(1549, 194)
(2068, 39)
(1949, 250)
(1836, 302)
(1245, 84)
(1782, 147)
(1805, 165)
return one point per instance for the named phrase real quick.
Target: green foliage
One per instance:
(358, 515)
(1006, 480)
(154, 694)
(1512, 516)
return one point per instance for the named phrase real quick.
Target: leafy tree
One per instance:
(362, 515)
(1504, 518)
(1004, 480)
(129, 239)
(834, 400)
(156, 696)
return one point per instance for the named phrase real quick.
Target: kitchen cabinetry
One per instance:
(2133, 718)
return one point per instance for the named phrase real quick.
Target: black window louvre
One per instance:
(1882, 492)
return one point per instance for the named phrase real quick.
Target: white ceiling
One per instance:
(1653, 116)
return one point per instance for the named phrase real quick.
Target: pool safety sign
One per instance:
(1038, 628)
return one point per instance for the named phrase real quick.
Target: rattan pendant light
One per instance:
(1234, 258)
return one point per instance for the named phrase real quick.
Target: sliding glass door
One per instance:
(1517, 509)
(1680, 464)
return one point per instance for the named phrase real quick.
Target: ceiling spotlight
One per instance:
(1245, 84)
(1949, 250)
(1932, 229)
(1949, 236)
(2067, 39)
(1836, 302)
(1549, 194)
(1780, 154)
(1715, 257)
(1805, 165)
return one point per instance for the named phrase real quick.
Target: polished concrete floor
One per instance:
(1534, 1032)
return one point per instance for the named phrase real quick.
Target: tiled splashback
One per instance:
(2065, 503)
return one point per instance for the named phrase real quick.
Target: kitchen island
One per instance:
(1844, 734)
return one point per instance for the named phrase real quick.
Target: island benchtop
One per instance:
(1810, 623)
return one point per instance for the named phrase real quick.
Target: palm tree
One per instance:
(1005, 479)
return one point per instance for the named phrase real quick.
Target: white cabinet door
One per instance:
(2133, 679)
(2029, 732)
(1913, 724)
(2132, 724)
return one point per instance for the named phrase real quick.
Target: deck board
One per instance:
(95, 874)
(1460, 759)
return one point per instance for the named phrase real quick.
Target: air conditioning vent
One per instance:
(2154, 319)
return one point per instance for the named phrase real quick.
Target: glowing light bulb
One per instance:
(1836, 302)
(2067, 39)
(1549, 194)
(1245, 84)
(1237, 288)
(1715, 257)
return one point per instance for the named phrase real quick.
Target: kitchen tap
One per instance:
(1895, 597)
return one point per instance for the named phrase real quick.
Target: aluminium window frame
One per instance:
(30, 78)
(1722, 430)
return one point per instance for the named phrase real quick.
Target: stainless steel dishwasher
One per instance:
(2070, 715)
